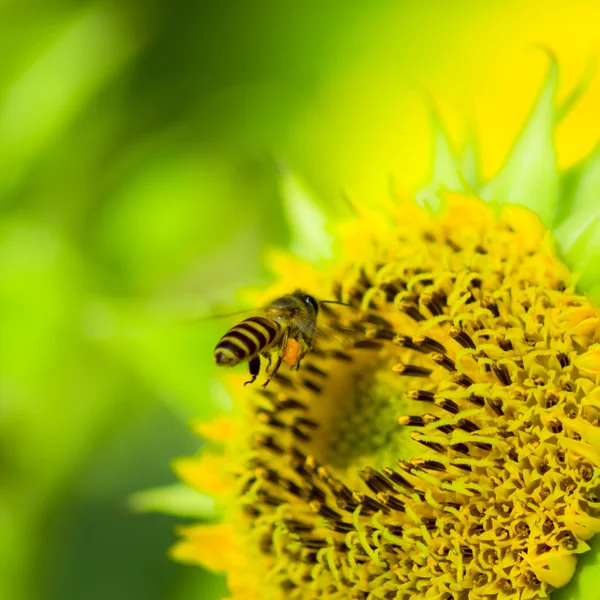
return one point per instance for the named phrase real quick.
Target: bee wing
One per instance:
(235, 313)
(306, 326)
(340, 337)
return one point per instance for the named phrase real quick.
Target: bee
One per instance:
(287, 330)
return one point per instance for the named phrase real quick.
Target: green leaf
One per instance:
(176, 499)
(578, 236)
(446, 173)
(583, 205)
(469, 164)
(584, 258)
(306, 219)
(530, 175)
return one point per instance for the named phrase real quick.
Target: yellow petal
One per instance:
(581, 448)
(467, 210)
(218, 430)
(554, 568)
(206, 473)
(589, 361)
(212, 546)
(524, 221)
(583, 526)
(217, 548)
(589, 433)
(292, 273)
(585, 316)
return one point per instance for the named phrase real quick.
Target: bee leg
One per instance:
(274, 371)
(305, 348)
(267, 355)
(284, 341)
(254, 366)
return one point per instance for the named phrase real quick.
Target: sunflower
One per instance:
(442, 438)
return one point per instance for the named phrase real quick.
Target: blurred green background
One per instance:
(139, 144)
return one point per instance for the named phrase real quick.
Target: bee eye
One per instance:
(310, 301)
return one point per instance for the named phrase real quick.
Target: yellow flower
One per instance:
(448, 446)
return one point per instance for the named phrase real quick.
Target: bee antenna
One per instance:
(334, 302)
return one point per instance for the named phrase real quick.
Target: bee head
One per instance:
(292, 300)
(311, 303)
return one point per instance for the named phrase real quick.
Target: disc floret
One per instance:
(448, 447)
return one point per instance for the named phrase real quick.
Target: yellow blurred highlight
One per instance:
(483, 65)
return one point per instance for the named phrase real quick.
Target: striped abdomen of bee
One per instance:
(246, 340)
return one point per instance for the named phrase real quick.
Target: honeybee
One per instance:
(287, 330)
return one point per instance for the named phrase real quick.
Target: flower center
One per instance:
(367, 431)
(450, 443)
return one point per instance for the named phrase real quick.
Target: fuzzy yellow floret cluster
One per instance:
(441, 440)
